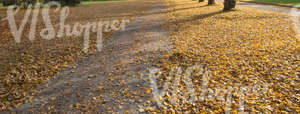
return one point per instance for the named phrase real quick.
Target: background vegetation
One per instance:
(279, 2)
(25, 3)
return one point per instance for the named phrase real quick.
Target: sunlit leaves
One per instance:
(245, 47)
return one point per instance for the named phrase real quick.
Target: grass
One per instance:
(98, 2)
(278, 2)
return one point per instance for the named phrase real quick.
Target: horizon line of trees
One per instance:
(228, 4)
(25, 3)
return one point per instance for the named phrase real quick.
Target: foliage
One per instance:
(69, 2)
(25, 3)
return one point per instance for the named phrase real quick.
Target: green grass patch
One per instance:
(278, 2)
(1, 6)
(98, 2)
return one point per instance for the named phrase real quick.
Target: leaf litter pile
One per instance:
(245, 48)
(27, 65)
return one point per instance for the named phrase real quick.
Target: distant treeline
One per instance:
(25, 3)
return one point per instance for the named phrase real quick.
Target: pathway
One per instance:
(111, 80)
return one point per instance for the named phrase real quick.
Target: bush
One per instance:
(70, 2)
(25, 3)
(8, 2)
(66, 2)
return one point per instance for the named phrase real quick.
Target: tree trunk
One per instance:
(201, 0)
(211, 2)
(229, 4)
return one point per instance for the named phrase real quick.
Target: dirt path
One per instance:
(111, 80)
(266, 7)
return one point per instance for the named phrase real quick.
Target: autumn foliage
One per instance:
(246, 47)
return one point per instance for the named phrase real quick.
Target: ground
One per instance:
(242, 48)
(41, 60)
(248, 47)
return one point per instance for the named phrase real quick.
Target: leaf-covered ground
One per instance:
(247, 47)
(110, 81)
(242, 48)
(27, 65)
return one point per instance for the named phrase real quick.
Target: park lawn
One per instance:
(98, 2)
(278, 2)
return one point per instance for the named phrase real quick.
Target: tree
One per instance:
(229, 4)
(10, 2)
(70, 2)
(211, 2)
(201, 0)
(26, 3)
(65, 2)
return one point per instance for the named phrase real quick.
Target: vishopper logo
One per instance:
(49, 32)
(295, 18)
(172, 95)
